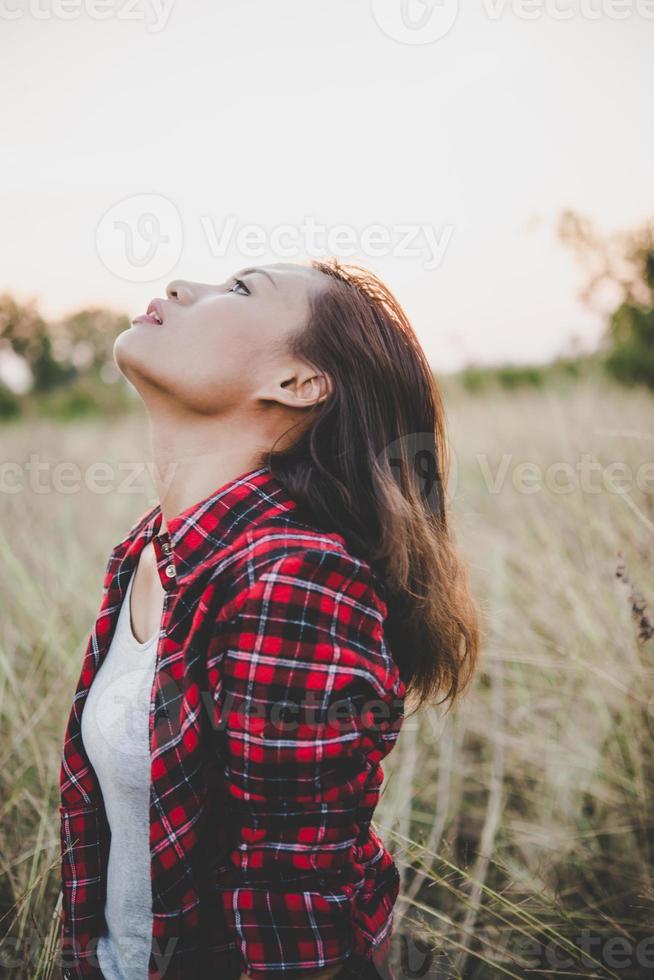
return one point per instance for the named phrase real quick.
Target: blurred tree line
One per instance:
(60, 369)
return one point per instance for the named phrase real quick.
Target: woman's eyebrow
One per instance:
(247, 272)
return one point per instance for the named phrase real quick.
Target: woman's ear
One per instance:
(305, 388)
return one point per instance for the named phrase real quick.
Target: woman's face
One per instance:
(209, 347)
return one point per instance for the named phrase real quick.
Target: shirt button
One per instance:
(165, 547)
(170, 571)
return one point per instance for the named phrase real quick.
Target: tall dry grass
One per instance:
(522, 822)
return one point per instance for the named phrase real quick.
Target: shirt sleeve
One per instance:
(309, 703)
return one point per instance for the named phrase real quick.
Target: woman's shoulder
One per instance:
(298, 543)
(303, 559)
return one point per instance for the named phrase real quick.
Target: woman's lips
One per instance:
(153, 315)
(147, 318)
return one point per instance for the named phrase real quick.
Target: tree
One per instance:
(23, 331)
(621, 282)
(58, 354)
(86, 338)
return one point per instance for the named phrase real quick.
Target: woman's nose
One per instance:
(180, 290)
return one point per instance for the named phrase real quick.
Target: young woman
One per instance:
(260, 631)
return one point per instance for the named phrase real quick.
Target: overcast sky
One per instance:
(144, 140)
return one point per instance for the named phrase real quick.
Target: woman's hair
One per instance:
(372, 463)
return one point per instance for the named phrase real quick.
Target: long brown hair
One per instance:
(372, 462)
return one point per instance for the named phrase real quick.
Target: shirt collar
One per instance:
(208, 525)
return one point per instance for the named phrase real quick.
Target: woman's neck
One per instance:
(192, 460)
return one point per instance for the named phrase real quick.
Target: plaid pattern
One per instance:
(274, 701)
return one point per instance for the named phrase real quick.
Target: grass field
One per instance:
(522, 822)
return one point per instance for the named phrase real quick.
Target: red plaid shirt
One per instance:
(274, 701)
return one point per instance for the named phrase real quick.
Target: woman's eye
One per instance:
(237, 286)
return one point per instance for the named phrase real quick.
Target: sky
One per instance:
(147, 140)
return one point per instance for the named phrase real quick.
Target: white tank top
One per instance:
(115, 731)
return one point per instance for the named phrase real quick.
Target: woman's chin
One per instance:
(132, 356)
